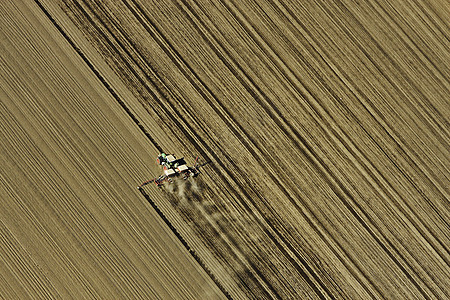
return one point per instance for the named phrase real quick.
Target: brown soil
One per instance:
(326, 124)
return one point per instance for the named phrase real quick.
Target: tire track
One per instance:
(185, 244)
(376, 115)
(186, 134)
(53, 130)
(100, 77)
(392, 133)
(390, 244)
(225, 115)
(378, 174)
(258, 94)
(406, 36)
(359, 211)
(444, 31)
(192, 252)
(208, 94)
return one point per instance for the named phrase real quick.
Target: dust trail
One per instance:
(207, 219)
(182, 189)
(195, 188)
(170, 187)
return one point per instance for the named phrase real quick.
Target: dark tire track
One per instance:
(138, 69)
(339, 192)
(141, 127)
(174, 119)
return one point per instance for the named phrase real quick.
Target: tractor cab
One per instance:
(171, 164)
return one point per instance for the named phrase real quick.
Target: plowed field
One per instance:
(326, 124)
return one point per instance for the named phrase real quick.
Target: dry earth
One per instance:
(326, 124)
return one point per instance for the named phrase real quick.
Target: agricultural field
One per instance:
(325, 125)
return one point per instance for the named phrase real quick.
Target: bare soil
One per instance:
(326, 124)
